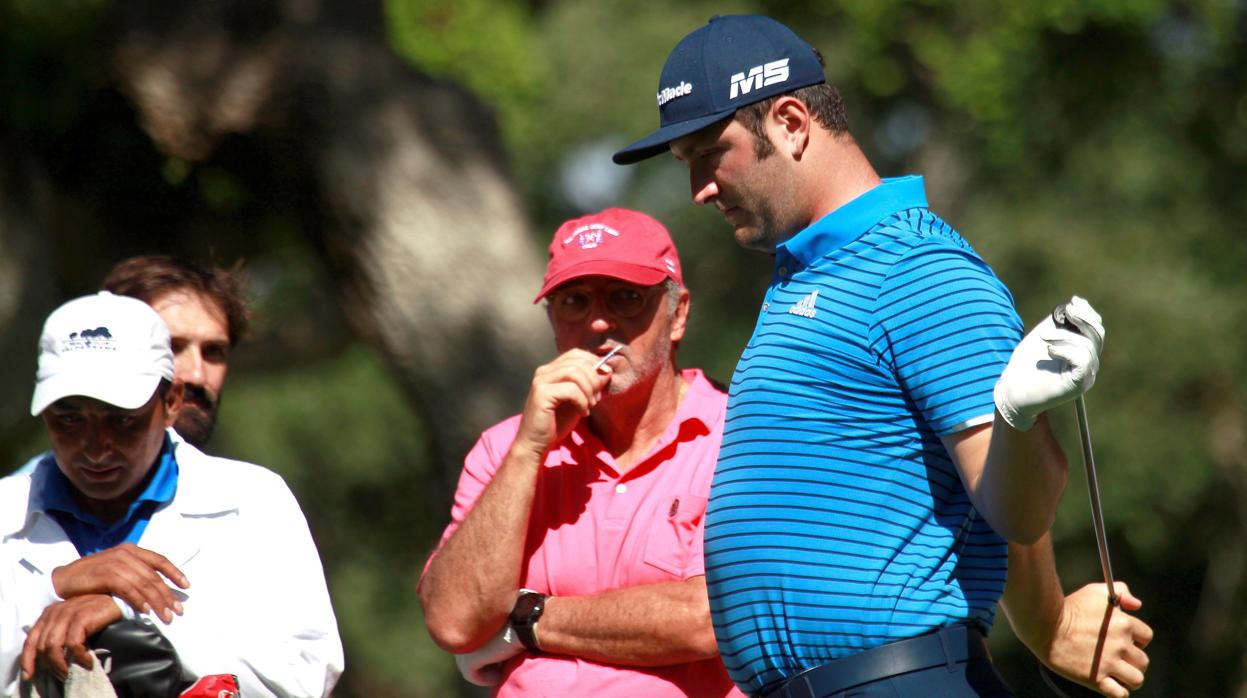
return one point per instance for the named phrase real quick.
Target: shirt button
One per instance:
(783, 271)
(621, 488)
(766, 306)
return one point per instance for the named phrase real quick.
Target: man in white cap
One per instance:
(123, 520)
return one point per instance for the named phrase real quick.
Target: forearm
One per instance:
(469, 587)
(1033, 595)
(649, 625)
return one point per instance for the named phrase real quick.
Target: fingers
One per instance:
(1143, 634)
(1081, 362)
(63, 629)
(1111, 688)
(133, 574)
(1128, 601)
(1086, 319)
(161, 564)
(562, 392)
(30, 651)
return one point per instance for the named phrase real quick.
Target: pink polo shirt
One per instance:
(593, 530)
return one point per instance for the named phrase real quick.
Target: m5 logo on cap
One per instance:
(758, 77)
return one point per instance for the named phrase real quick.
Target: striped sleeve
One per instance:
(946, 325)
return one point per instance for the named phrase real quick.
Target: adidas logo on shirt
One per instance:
(806, 307)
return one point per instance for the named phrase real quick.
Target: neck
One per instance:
(836, 172)
(629, 424)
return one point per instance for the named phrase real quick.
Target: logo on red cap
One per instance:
(590, 236)
(618, 243)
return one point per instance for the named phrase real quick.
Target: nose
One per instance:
(600, 318)
(703, 186)
(98, 442)
(190, 366)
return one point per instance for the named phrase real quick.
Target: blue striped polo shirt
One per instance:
(837, 521)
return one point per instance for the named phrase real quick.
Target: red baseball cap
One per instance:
(619, 243)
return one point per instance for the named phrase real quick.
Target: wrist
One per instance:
(527, 450)
(529, 607)
(1012, 416)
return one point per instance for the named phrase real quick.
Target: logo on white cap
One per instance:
(98, 338)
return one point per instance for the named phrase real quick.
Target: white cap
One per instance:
(111, 348)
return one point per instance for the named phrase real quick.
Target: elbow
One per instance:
(455, 634)
(451, 637)
(455, 630)
(1024, 530)
(702, 642)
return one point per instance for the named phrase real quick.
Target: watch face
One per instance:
(528, 607)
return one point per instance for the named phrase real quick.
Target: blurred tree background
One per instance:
(1096, 147)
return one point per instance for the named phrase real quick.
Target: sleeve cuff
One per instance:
(127, 613)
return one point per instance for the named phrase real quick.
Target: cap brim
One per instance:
(657, 142)
(634, 274)
(129, 393)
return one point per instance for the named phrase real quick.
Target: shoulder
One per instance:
(14, 498)
(502, 433)
(209, 483)
(15, 493)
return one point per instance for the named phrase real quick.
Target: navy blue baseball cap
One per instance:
(730, 63)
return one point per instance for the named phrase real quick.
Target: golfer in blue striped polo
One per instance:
(885, 432)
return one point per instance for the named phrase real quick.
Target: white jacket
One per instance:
(257, 605)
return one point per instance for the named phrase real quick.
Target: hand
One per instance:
(484, 666)
(64, 628)
(1051, 366)
(562, 392)
(1097, 645)
(128, 572)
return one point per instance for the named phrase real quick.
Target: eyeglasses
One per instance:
(624, 302)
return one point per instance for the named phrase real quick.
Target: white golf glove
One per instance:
(484, 666)
(1051, 366)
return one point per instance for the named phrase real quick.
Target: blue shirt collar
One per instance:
(56, 492)
(847, 223)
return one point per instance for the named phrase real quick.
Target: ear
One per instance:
(679, 319)
(790, 120)
(173, 402)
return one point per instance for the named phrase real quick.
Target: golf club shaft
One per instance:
(1061, 318)
(1093, 489)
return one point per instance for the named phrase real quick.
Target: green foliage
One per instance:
(485, 45)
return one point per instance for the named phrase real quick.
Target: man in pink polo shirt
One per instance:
(572, 565)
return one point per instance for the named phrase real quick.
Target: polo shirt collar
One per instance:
(847, 223)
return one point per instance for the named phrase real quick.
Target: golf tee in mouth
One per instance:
(602, 361)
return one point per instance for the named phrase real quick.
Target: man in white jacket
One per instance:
(123, 518)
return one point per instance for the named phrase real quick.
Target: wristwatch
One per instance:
(524, 616)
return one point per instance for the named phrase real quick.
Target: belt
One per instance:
(949, 645)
